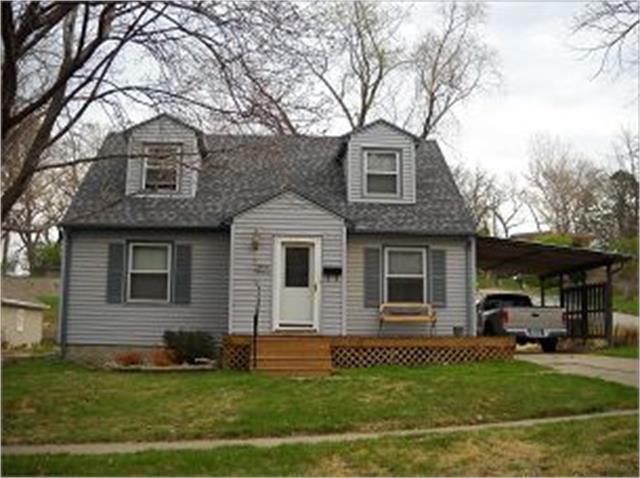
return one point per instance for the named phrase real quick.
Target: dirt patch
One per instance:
(332, 465)
(492, 457)
(29, 288)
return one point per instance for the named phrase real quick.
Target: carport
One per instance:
(588, 304)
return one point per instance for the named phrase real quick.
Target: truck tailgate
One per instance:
(536, 317)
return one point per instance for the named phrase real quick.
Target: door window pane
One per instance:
(296, 266)
(405, 262)
(405, 290)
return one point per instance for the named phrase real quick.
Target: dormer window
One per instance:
(161, 168)
(381, 173)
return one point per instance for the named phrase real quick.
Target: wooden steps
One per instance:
(294, 355)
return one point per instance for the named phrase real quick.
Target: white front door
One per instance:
(297, 283)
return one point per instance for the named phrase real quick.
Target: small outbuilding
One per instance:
(21, 322)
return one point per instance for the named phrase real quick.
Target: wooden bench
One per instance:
(407, 313)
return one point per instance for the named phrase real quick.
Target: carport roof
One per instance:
(514, 256)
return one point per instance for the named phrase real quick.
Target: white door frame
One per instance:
(277, 279)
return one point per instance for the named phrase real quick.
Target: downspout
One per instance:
(470, 263)
(64, 291)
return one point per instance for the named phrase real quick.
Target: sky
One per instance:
(546, 88)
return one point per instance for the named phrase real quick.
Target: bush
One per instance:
(557, 239)
(162, 357)
(129, 358)
(47, 256)
(188, 346)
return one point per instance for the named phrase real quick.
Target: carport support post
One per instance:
(608, 317)
(541, 279)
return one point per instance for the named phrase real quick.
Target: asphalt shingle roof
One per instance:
(239, 172)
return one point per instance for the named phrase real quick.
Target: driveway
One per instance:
(621, 370)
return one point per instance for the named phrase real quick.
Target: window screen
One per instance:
(149, 272)
(161, 168)
(382, 171)
(405, 275)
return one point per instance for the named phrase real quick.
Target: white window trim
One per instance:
(130, 271)
(423, 276)
(145, 166)
(368, 171)
(278, 277)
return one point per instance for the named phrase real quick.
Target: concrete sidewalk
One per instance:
(613, 369)
(133, 447)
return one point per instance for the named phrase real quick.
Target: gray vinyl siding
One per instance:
(91, 320)
(381, 136)
(163, 130)
(287, 215)
(363, 320)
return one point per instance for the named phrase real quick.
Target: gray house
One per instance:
(178, 229)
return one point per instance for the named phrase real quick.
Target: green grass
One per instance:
(485, 281)
(623, 351)
(49, 401)
(627, 305)
(598, 447)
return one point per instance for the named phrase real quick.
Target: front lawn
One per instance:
(51, 401)
(597, 447)
(623, 351)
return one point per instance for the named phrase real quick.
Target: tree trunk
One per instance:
(6, 241)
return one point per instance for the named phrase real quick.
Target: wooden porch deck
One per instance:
(319, 355)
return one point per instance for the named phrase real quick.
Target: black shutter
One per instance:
(182, 274)
(371, 277)
(439, 277)
(115, 273)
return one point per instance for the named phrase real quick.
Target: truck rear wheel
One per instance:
(549, 345)
(488, 329)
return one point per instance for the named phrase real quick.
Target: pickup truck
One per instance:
(514, 314)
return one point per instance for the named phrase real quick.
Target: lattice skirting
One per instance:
(354, 357)
(354, 352)
(236, 356)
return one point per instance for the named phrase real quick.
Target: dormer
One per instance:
(380, 164)
(163, 159)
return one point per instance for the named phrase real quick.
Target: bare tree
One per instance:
(355, 55)
(496, 206)
(623, 185)
(508, 206)
(609, 30)
(564, 187)
(61, 61)
(626, 152)
(479, 189)
(451, 64)
(42, 205)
